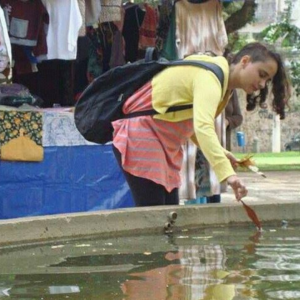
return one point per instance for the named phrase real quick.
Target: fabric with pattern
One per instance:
(21, 135)
(147, 31)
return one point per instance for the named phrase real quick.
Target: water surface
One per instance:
(224, 263)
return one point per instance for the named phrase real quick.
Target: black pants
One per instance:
(146, 192)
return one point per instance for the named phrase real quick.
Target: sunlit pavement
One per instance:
(278, 186)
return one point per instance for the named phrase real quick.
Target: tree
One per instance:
(237, 14)
(287, 36)
(239, 18)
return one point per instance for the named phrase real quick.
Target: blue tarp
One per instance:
(69, 179)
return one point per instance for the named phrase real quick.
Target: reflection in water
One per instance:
(198, 275)
(215, 264)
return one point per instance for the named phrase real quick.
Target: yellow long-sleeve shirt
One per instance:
(189, 84)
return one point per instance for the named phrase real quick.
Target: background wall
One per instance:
(258, 125)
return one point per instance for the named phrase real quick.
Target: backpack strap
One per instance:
(151, 54)
(215, 69)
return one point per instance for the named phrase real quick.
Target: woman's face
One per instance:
(255, 75)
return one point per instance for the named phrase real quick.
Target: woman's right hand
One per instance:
(238, 187)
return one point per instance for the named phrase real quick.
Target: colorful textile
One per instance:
(26, 22)
(100, 53)
(21, 135)
(147, 31)
(94, 68)
(200, 28)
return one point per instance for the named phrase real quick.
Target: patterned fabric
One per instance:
(147, 31)
(165, 11)
(59, 130)
(12, 121)
(21, 129)
(200, 28)
(94, 68)
(151, 148)
(102, 39)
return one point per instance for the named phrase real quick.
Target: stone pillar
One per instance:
(276, 134)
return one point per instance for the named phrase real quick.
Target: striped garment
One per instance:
(151, 148)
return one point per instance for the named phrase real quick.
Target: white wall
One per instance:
(296, 13)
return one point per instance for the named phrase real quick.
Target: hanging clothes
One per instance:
(169, 50)
(117, 50)
(94, 68)
(92, 12)
(104, 39)
(165, 10)
(147, 31)
(64, 25)
(200, 28)
(5, 49)
(82, 9)
(110, 11)
(133, 19)
(26, 21)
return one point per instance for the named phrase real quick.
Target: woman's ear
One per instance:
(245, 60)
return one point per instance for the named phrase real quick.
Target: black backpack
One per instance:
(102, 101)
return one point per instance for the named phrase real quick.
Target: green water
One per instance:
(216, 264)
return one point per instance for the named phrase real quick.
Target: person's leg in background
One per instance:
(213, 199)
(146, 192)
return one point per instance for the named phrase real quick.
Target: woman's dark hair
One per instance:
(280, 82)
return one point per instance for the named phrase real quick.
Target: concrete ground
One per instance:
(278, 186)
